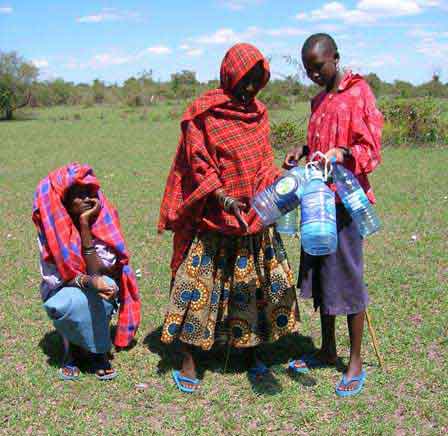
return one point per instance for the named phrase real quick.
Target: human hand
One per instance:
(92, 212)
(104, 289)
(293, 156)
(237, 208)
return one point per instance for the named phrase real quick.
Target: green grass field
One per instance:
(131, 150)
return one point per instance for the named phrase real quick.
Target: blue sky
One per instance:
(112, 40)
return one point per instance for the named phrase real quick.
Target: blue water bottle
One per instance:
(288, 224)
(279, 198)
(355, 200)
(318, 229)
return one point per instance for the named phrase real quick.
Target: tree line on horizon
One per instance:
(20, 87)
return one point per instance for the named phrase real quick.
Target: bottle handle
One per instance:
(317, 165)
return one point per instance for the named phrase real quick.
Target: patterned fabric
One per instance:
(236, 289)
(349, 119)
(61, 242)
(223, 144)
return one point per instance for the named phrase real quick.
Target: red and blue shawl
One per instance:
(61, 240)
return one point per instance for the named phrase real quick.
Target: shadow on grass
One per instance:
(20, 117)
(228, 360)
(52, 346)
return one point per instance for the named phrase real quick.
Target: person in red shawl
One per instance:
(345, 124)
(231, 278)
(85, 268)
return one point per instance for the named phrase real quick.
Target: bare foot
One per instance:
(188, 370)
(354, 370)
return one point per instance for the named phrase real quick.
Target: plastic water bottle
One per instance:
(355, 200)
(287, 224)
(281, 197)
(318, 229)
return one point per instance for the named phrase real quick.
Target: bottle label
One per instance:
(356, 201)
(318, 207)
(286, 185)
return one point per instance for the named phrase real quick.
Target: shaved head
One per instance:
(322, 41)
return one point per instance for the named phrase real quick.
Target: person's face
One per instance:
(79, 199)
(249, 86)
(321, 65)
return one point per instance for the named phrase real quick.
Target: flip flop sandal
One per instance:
(178, 379)
(103, 369)
(298, 369)
(102, 374)
(361, 378)
(257, 373)
(310, 361)
(73, 370)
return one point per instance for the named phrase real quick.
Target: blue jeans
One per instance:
(83, 317)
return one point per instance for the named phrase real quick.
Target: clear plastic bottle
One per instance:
(318, 229)
(287, 224)
(281, 197)
(355, 200)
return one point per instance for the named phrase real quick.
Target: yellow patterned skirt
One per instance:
(232, 289)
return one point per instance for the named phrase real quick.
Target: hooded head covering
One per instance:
(61, 242)
(223, 144)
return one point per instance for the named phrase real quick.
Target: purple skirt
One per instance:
(335, 282)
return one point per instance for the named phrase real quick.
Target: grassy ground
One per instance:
(406, 269)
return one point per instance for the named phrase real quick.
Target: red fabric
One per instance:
(223, 144)
(349, 119)
(61, 241)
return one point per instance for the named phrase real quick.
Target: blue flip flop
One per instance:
(311, 362)
(178, 379)
(298, 369)
(361, 378)
(258, 371)
(73, 369)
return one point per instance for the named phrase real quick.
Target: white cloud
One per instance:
(396, 7)
(286, 31)
(238, 5)
(433, 48)
(5, 10)
(229, 36)
(367, 11)
(337, 11)
(195, 52)
(372, 64)
(221, 36)
(159, 49)
(40, 63)
(191, 51)
(106, 59)
(108, 14)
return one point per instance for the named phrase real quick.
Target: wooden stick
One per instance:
(374, 341)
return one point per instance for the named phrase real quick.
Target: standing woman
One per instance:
(231, 280)
(85, 267)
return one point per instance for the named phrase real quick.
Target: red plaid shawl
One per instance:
(223, 144)
(61, 241)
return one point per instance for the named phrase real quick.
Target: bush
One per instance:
(275, 101)
(414, 121)
(288, 134)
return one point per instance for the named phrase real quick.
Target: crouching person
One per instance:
(85, 269)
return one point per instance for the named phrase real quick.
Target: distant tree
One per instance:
(99, 91)
(184, 83)
(375, 83)
(404, 89)
(61, 91)
(16, 79)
